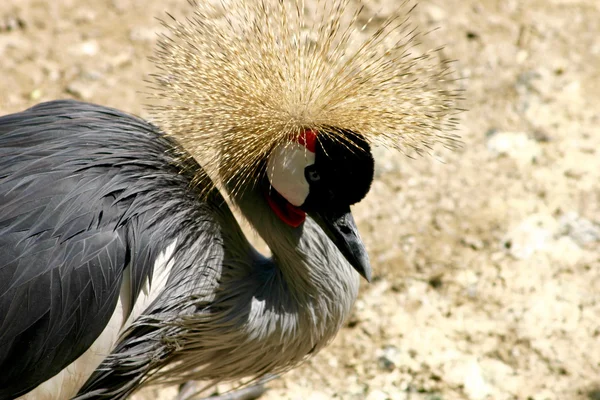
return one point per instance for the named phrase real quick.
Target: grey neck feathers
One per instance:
(307, 274)
(308, 263)
(257, 315)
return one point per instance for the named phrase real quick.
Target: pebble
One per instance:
(582, 231)
(35, 94)
(564, 237)
(84, 15)
(388, 360)
(473, 242)
(318, 396)
(435, 14)
(468, 374)
(565, 251)
(498, 374)
(80, 89)
(11, 23)
(475, 386)
(377, 395)
(534, 233)
(87, 48)
(517, 145)
(52, 70)
(122, 59)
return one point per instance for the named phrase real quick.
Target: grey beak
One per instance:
(341, 229)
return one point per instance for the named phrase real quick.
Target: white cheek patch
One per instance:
(285, 170)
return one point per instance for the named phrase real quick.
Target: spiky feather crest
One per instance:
(239, 78)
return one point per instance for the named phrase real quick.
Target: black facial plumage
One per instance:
(342, 172)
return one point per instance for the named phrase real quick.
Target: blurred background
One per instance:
(486, 259)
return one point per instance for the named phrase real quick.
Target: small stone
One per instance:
(333, 362)
(472, 291)
(51, 70)
(35, 94)
(435, 14)
(11, 23)
(582, 231)
(474, 383)
(81, 90)
(318, 396)
(565, 251)
(122, 59)
(531, 235)
(522, 56)
(84, 15)
(388, 358)
(92, 75)
(377, 395)
(517, 145)
(499, 375)
(473, 242)
(87, 48)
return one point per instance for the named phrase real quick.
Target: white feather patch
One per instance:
(66, 383)
(285, 169)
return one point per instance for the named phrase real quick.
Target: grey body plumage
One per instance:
(226, 311)
(77, 208)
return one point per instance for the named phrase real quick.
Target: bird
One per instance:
(122, 262)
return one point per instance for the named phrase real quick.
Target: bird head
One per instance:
(323, 175)
(287, 97)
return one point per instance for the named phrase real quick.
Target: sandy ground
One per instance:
(487, 265)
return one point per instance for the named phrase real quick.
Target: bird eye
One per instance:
(313, 175)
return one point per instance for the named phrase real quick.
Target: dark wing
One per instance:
(67, 226)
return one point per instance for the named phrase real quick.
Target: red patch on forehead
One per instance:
(308, 139)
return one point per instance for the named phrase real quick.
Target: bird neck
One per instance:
(268, 314)
(307, 267)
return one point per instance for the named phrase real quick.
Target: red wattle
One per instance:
(287, 212)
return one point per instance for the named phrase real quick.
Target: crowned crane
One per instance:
(121, 263)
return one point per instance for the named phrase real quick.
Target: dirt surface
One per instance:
(486, 260)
